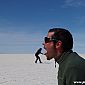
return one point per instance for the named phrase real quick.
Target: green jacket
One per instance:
(71, 69)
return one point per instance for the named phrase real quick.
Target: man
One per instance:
(37, 55)
(59, 44)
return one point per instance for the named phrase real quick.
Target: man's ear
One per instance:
(58, 44)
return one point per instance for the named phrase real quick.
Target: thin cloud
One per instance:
(19, 42)
(74, 3)
(19, 38)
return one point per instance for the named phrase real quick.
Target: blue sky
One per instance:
(24, 23)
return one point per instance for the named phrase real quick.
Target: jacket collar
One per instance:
(64, 56)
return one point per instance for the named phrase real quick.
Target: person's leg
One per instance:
(39, 60)
(36, 59)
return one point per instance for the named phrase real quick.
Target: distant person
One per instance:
(59, 44)
(37, 55)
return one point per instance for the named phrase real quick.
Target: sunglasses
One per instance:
(47, 40)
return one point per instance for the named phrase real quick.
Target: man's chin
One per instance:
(48, 59)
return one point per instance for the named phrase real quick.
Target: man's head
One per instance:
(58, 40)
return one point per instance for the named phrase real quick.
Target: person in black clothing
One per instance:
(37, 55)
